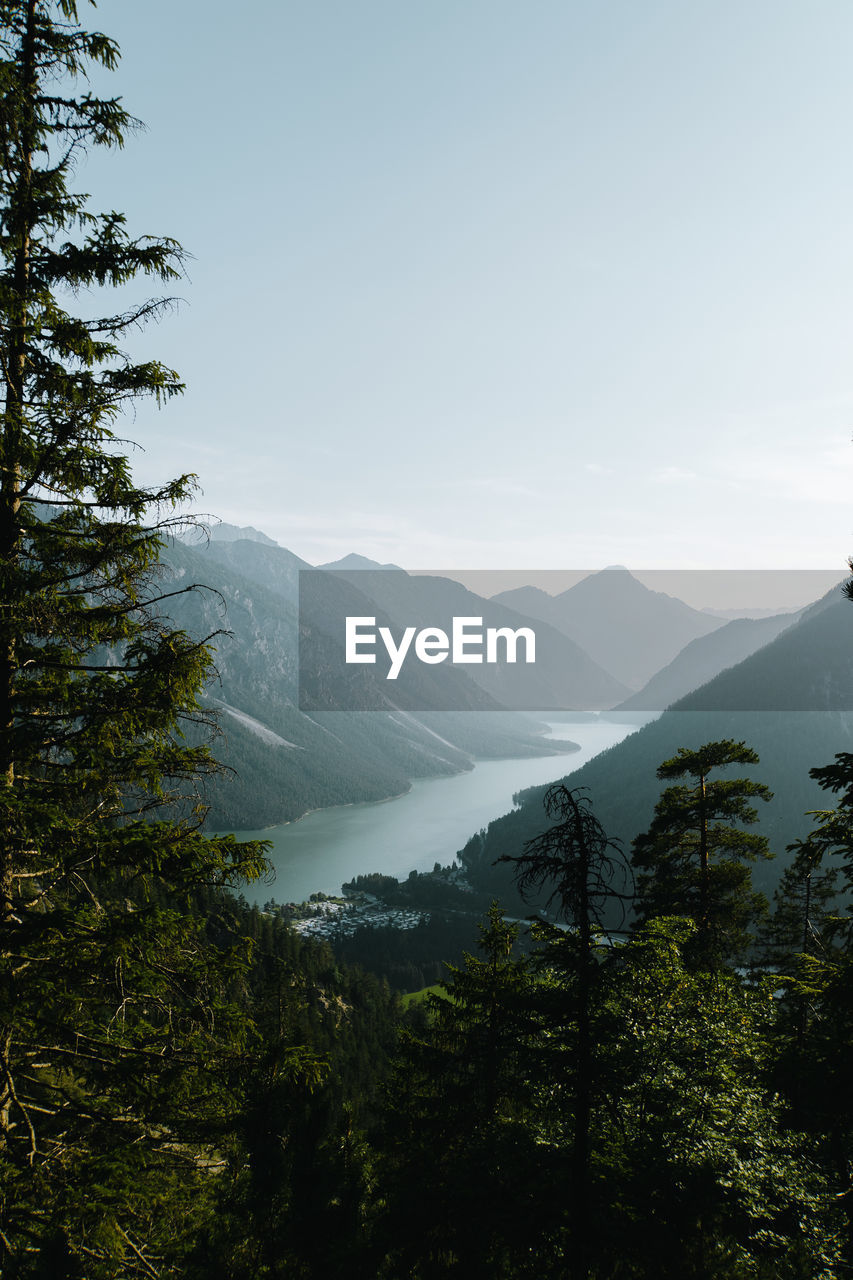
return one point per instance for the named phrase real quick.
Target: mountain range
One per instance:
(563, 676)
(284, 762)
(631, 630)
(287, 758)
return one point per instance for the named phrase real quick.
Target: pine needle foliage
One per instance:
(114, 1006)
(693, 860)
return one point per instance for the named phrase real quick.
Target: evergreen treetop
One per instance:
(691, 859)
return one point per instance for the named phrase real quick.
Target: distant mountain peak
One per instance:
(354, 561)
(629, 629)
(224, 532)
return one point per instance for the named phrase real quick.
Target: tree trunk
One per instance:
(10, 530)
(704, 887)
(583, 1098)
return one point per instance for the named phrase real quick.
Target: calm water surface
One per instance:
(428, 824)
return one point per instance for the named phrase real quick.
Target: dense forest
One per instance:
(668, 1100)
(655, 1083)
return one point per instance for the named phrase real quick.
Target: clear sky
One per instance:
(482, 284)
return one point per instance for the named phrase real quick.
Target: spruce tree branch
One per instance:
(12, 1093)
(151, 1270)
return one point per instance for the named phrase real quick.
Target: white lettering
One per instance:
(432, 645)
(461, 638)
(395, 653)
(511, 638)
(354, 639)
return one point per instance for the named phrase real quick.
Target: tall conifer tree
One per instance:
(109, 996)
(692, 860)
(589, 880)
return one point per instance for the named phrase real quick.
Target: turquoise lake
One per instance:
(428, 824)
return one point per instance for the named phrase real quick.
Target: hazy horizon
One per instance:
(500, 286)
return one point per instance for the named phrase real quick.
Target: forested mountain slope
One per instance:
(792, 701)
(704, 658)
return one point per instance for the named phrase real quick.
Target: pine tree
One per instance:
(805, 909)
(111, 997)
(691, 861)
(462, 1163)
(700, 1175)
(589, 880)
(816, 1026)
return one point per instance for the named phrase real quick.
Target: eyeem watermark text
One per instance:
(467, 642)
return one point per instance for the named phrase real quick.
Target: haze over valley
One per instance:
(607, 647)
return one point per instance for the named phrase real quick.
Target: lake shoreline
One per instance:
(429, 822)
(571, 748)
